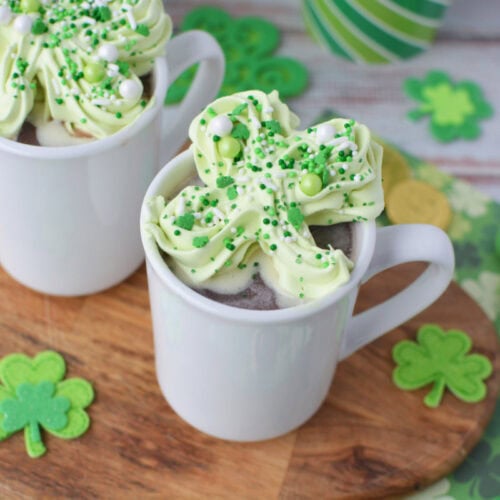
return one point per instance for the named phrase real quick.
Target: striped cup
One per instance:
(374, 31)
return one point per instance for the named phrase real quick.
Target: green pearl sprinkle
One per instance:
(94, 72)
(30, 6)
(229, 147)
(311, 184)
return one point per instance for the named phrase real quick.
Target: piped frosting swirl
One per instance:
(265, 183)
(68, 60)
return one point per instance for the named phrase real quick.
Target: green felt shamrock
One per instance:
(455, 108)
(441, 358)
(34, 395)
(248, 44)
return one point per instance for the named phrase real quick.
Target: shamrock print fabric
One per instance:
(265, 182)
(455, 109)
(33, 395)
(248, 44)
(473, 231)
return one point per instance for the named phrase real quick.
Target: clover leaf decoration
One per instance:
(248, 44)
(441, 358)
(481, 470)
(455, 108)
(35, 396)
(265, 182)
(77, 62)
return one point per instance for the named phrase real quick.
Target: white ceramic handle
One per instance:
(396, 245)
(184, 51)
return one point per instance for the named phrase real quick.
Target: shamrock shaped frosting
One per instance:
(34, 395)
(455, 108)
(441, 358)
(265, 183)
(77, 61)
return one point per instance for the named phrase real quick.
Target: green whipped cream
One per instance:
(77, 62)
(265, 183)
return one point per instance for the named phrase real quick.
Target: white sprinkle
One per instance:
(305, 234)
(240, 190)
(56, 87)
(280, 175)
(242, 178)
(357, 177)
(218, 213)
(100, 102)
(347, 144)
(345, 166)
(268, 109)
(181, 206)
(262, 135)
(131, 20)
(233, 230)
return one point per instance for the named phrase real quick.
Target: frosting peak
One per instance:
(68, 60)
(265, 183)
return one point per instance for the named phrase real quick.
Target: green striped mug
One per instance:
(374, 31)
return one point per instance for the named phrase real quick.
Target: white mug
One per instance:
(248, 375)
(68, 215)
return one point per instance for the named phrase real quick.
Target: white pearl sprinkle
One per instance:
(130, 89)
(23, 24)
(221, 125)
(108, 52)
(324, 133)
(5, 15)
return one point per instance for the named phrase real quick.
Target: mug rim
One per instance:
(161, 76)
(364, 234)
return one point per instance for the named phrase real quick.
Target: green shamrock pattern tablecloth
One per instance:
(472, 230)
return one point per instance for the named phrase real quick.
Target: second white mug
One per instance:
(68, 216)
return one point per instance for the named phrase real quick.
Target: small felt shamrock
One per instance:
(455, 108)
(248, 44)
(34, 395)
(441, 358)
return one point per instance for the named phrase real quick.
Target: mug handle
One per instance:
(397, 245)
(184, 51)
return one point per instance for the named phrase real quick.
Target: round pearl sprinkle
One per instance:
(229, 147)
(108, 52)
(23, 24)
(130, 89)
(5, 15)
(30, 5)
(325, 132)
(94, 72)
(311, 184)
(221, 125)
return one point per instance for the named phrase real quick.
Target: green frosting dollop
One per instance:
(65, 60)
(264, 198)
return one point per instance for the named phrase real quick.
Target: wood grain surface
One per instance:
(369, 439)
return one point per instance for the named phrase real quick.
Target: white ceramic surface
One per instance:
(68, 216)
(252, 375)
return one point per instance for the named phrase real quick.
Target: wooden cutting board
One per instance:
(369, 439)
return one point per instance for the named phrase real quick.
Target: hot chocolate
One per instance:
(251, 229)
(76, 69)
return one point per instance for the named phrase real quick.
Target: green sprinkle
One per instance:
(232, 193)
(39, 27)
(142, 29)
(273, 126)
(240, 131)
(239, 109)
(211, 112)
(185, 221)
(224, 181)
(200, 241)
(273, 247)
(118, 115)
(295, 217)
(177, 232)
